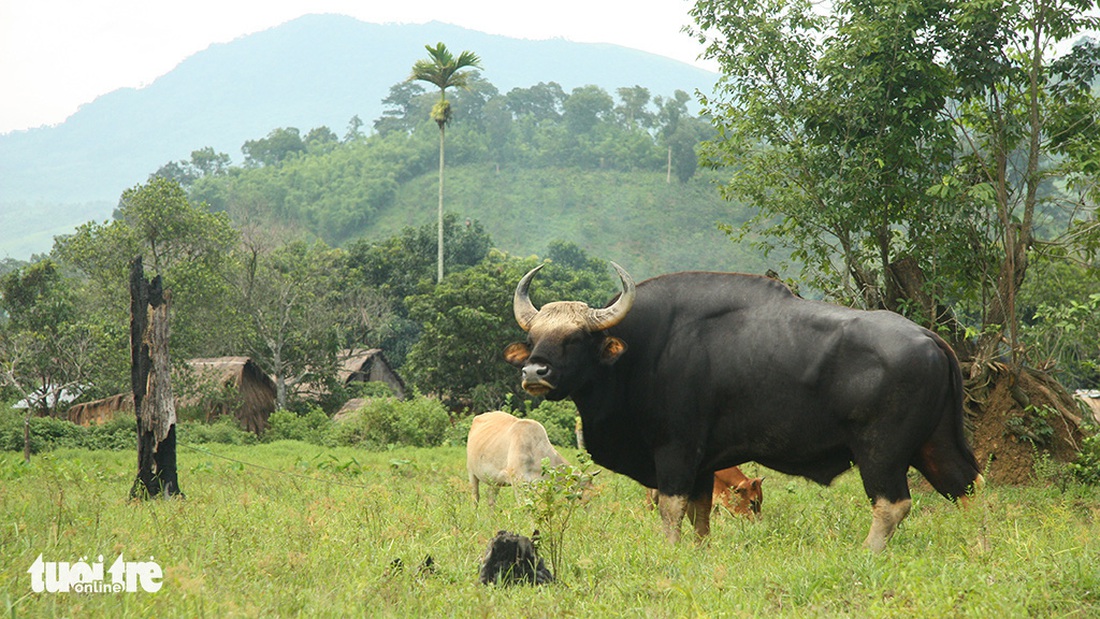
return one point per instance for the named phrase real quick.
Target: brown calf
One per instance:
(734, 490)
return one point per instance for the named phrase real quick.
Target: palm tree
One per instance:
(443, 70)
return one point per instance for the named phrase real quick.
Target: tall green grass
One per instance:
(315, 532)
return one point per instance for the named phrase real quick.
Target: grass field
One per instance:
(314, 533)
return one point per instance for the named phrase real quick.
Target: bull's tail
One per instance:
(946, 459)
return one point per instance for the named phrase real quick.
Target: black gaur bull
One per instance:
(690, 373)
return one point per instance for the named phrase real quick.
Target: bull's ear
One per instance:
(517, 354)
(611, 349)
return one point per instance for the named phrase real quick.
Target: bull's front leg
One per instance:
(672, 510)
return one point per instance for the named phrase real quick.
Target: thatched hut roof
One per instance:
(101, 411)
(364, 365)
(231, 385)
(221, 386)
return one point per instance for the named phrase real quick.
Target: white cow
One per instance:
(502, 450)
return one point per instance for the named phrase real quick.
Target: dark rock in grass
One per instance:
(513, 559)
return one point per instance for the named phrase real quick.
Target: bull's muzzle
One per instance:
(535, 379)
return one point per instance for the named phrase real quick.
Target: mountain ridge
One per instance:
(316, 70)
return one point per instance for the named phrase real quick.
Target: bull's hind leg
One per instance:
(887, 515)
(888, 489)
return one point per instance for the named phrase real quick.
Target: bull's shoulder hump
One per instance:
(730, 287)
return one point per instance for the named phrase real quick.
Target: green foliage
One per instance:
(940, 133)
(552, 501)
(45, 346)
(223, 431)
(50, 433)
(459, 431)
(820, 150)
(339, 192)
(1085, 468)
(310, 427)
(403, 264)
(188, 245)
(299, 315)
(467, 322)
(387, 422)
(559, 419)
(443, 70)
(1059, 305)
(1033, 425)
(279, 145)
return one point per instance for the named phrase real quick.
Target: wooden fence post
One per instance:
(154, 405)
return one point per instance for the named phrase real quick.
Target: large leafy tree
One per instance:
(901, 150)
(184, 243)
(443, 70)
(1027, 121)
(404, 265)
(467, 322)
(830, 125)
(43, 346)
(286, 291)
(279, 145)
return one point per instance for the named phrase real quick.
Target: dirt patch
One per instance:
(1014, 419)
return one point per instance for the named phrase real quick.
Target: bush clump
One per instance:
(382, 422)
(559, 419)
(309, 427)
(224, 431)
(55, 433)
(1086, 467)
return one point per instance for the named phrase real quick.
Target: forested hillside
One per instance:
(615, 174)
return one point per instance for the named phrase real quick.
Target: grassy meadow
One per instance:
(316, 530)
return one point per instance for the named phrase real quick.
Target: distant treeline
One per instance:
(334, 185)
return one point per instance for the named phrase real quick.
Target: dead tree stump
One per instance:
(154, 405)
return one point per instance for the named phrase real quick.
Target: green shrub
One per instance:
(552, 501)
(1086, 467)
(57, 433)
(383, 422)
(310, 427)
(1033, 425)
(458, 432)
(225, 431)
(11, 431)
(49, 433)
(115, 435)
(559, 419)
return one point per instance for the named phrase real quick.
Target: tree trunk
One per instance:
(154, 405)
(439, 253)
(27, 435)
(908, 285)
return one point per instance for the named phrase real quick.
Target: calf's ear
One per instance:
(517, 354)
(611, 349)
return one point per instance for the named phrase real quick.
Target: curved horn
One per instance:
(522, 307)
(608, 317)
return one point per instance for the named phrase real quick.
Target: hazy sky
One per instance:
(58, 54)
